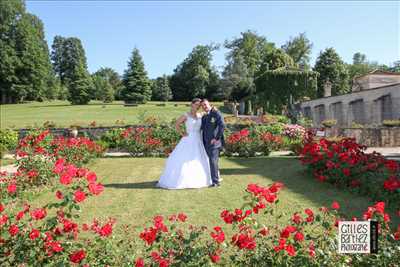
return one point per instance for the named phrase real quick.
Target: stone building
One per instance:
(375, 97)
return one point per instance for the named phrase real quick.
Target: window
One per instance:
(386, 107)
(319, 114)
(357, 111)
(337, 112)
(307, 113)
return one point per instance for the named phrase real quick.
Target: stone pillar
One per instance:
(327, 88)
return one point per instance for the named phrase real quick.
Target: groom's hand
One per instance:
(214, 141)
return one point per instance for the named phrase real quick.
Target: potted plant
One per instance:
(329, 123)
(391, 123)
(74, 129)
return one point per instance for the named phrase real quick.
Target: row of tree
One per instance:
(28, 71)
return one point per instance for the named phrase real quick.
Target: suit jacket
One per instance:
(212, 126)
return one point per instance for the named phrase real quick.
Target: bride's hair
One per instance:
(194, 100)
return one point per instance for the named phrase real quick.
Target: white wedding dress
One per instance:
(187, 166)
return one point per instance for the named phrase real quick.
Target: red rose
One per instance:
(215, 258)
(335, 205)
(95, 189)
(77, 256)
(346, 171)
(65, 179)
(3, 219)
(290, 250)
(34, 234)
(311, 250)
(139, 262)
(59, 195)
(79, 196)
(380, 207)
(13, 230)
(38, 214)
(106, 230)
(81, 172)
(299, 237)
(182, 217)
(55, 246)
(91, 177)
(32, 174)
(264, 231)
(12, 188)
(218, 235)
(1, 208)
(149, 235)
(296, 218)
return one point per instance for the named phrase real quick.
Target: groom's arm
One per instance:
(220, 124)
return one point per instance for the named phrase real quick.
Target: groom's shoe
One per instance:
(216, 185)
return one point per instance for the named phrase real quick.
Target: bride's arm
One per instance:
(178, 123)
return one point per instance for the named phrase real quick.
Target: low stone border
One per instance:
(371, 137)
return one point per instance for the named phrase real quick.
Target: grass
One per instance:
(63, 114)
(131, 197)
(4, 162)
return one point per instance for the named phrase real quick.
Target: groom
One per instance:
(212, 126)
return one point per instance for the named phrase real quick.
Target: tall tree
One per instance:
(136, 83)
(161, 90)
(359, 58)
(250, 47)
(69, 63)
(395, 66)
(331, 67)
(192, 78)
(274, 59)
(112, 77)
(25, 69)
(237, 80)
(299, 48)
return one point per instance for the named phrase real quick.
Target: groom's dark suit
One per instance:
(212, 126)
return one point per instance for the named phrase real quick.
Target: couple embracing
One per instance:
(194, 161)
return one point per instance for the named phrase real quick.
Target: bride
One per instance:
(188, 166)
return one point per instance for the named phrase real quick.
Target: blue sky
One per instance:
(166, 31)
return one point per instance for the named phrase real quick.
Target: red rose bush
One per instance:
(344, 163)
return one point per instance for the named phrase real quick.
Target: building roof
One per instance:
(377, 72)
(358, 92)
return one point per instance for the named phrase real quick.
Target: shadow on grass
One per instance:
(70, 105)
(290, 172)
(143, 185)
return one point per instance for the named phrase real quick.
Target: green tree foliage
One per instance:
(277, 88)
(331, 67)
(195, 77)
(275, 59)
(299, 49)
(136, 83)
(113, 78)
(160, 89)
(237, 80)
(25, 68)
(70, 66)
(249, 47)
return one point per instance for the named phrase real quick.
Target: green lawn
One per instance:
(4, 162)
(131, 197)
(64, 114)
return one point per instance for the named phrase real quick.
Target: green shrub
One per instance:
(8, 141)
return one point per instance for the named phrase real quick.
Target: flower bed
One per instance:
(250, 143)
(344, 163)
(51, 235)
(38, 151)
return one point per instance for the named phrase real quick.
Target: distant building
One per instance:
(375, 97)
(374, 79)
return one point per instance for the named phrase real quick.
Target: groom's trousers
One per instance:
(213, 155)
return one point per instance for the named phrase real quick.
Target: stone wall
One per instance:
(368, 107)
(371, 137)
